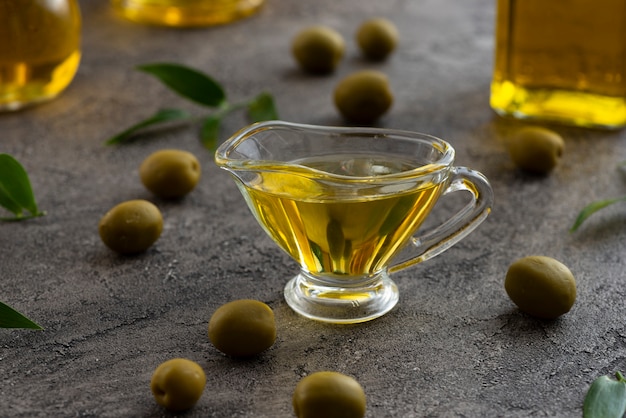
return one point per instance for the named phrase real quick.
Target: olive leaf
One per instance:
(201, 89)
(592, 208)
(187, 82)
(262, 108)
(164, 115)
(16, 193)
(10, 318)
(210, 132)
(606, 398)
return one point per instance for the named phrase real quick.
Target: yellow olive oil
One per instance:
(561, 60)
(39, 49)
(186, 13)
(351, 231)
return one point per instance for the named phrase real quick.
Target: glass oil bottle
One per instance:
(186, 13)
(561, 61)
(39, 50)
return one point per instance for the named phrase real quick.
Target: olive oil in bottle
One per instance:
(186, 13)
(39, 50)
(561, 61)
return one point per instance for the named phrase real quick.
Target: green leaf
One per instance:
(8, 203)
(10, 318)
(210, 131)
(593, 208)
(262, 108)
(16, 193)
(606, 398)
(164, 115)
(188, 83)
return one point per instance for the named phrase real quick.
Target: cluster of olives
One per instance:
(361, 97)
(241, 328)
(540, 286)
(245, 328)
(132, 227)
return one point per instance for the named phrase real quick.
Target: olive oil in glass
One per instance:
(561, 61)
(334, 232)
(39, 50)
(186, 13)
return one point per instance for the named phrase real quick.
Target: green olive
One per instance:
(242, 328)
(363, 96)
(377, 38)
(177, 384)
(318, 49)
(170, 173)
(541, 286)
(329, 395)
(536, 150)
(131, 227)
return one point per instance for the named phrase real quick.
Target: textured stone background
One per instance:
(454, 346)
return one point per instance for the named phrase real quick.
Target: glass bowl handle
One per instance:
(435, 241)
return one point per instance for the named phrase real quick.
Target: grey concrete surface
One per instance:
(455, 345)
